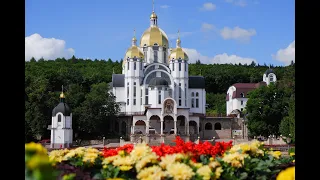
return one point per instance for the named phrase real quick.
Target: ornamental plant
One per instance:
(185, 160)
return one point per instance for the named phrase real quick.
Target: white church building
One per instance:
(236, 98)
(155, 92)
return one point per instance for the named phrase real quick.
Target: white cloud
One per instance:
(224, 58)
(164, 6)
(241, 3)
(208, 7)
(47, 48)
(286, 55)
(182, 34)
(207, 27)
(237, 33)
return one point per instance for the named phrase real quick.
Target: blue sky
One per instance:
(216, 31)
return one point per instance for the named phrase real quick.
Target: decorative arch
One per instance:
(208, 126)
(217, 126)
(169, 79)
(153, 67)
(140, 123)
(169, 106)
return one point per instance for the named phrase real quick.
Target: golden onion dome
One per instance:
(153, 15)
(62, 95)
(177, 54)
(133, 52)
(154, 35)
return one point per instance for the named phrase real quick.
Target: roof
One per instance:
(268, 71)
(117, 80)
(158, 81)
(244, 88)
(62, 108)
(196, 82)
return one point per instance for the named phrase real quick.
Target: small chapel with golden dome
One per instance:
(157, 97)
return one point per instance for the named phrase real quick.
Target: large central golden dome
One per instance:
(154, 35)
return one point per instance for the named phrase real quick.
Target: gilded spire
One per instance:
(178, 44)
(62, 94)
(134, 39)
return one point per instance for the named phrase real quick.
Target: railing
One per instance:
(130, 113)
(279, 147)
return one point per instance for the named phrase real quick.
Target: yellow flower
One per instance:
(80, 151)
(275, 154)
(211, 159)
(109, 160)
(180, 171)
(90, 157)
(151, 173)
(287, 174)
(235, 159)
(151, 158)
(37, 161)
(214, 164)
(125, 168)
(294, 160)
(121, 153)
(35, 148)
(292, 154)
(170, 159)
(58, 155)
(205, 172)
(123, 161)
(140, 150)
(196, 165)
(218, 172)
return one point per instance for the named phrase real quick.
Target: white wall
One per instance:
(202, 101)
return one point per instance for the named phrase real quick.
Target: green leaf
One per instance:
(243, 175)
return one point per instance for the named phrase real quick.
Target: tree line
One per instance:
(86, 89)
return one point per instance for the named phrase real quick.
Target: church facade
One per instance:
(157, 96)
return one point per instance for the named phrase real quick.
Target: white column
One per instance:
(132, 129)
(147, 127)
(161, 126)
(175, 124)
(188, 126)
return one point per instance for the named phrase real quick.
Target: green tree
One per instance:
(266, 108)
(287, 125)
(97, 110)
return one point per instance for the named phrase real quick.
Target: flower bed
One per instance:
(185, 160)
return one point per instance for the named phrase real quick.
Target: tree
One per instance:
(198, 61)
(97, 110)
(266, 108)
(287, 125)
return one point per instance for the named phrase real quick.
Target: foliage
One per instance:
(242, 161)
(287, 125)
(37, 164)
(266, 108)
(44, 78)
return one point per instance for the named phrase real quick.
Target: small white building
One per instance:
(237, 94)
(61, 125)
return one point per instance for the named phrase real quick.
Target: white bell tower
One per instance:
(61, 125)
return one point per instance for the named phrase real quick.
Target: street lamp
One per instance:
(242, 128)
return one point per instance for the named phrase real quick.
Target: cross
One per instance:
(178, 34)
(62, 88)
(134, 32)
(152, 5)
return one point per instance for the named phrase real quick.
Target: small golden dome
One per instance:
(132, 52)
(177, 54)
(153, 15)
(134, 39)
(62, 95)
(154, 35)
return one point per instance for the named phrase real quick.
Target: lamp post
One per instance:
(242, 128)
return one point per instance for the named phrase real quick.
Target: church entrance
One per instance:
(168, 125)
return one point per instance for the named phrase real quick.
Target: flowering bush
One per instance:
(184, 161)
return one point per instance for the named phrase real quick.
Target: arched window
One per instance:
(242, 95)
(59, 118)
(271, 78)
(208, 126)
(192, 94)
(197, 94)
(217, 126)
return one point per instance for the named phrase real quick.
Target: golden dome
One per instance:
(177, 54)
(154, 35)
(132, 52)
(62, 95)
(153, 15)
